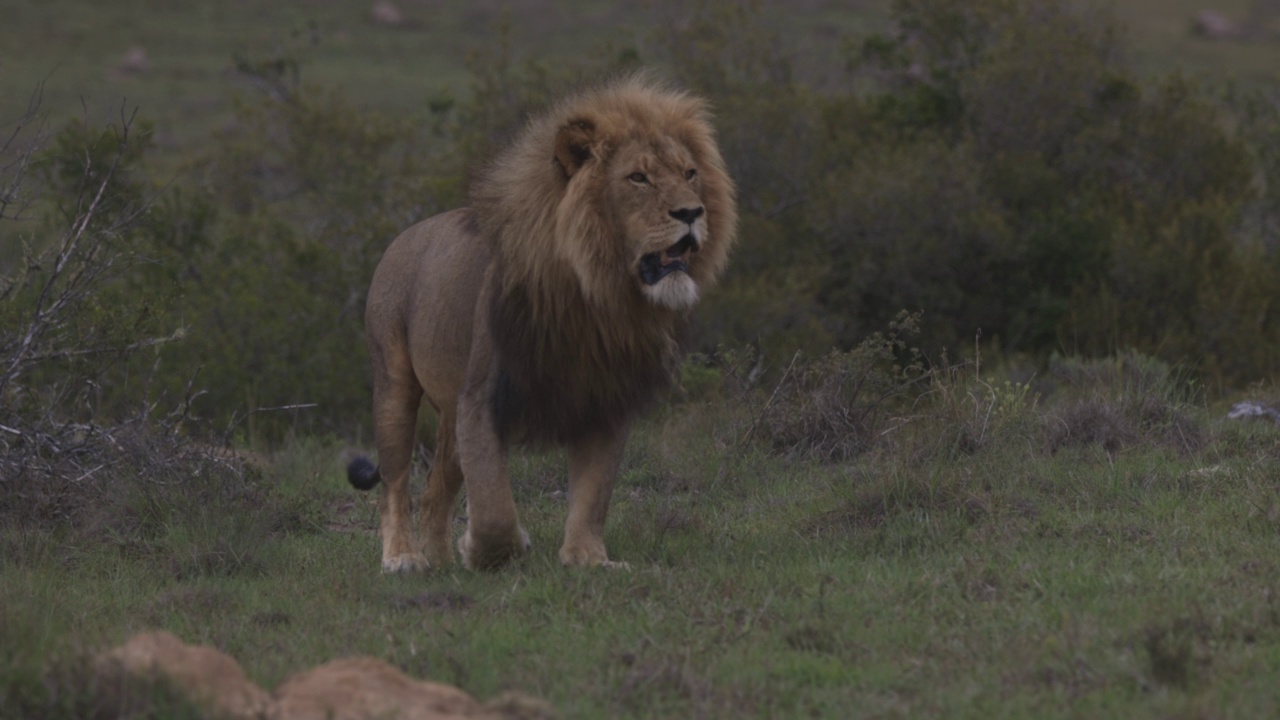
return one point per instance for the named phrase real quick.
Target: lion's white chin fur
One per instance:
(676, 291)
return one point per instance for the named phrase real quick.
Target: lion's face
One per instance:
(654, 187)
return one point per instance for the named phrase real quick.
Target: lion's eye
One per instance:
(638, 177)
(690, 173)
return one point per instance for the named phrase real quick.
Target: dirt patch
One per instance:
(439, 600)
(196, 600)
(872, 508)
(204, 675)
(866, 513)
(271, 619)
(357, 688)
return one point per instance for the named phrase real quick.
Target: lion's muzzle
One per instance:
(657, 265)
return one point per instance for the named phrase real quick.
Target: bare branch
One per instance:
(13, 200)
(235, 421)
(786, 374)
(178, 334)
(76, 267)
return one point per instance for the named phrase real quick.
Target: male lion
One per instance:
(547, 313)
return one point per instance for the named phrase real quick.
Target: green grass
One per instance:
(74, 48)
(1162, 41)
(1011, 582)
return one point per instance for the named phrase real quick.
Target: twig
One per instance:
(977, 355)
(235, 422)
(778, 207)
(759, 416)
(88, 473)
(183, 413)
(178, 334)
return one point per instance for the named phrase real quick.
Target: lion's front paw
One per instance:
(487, 553)
(405, 563)
(588, 555)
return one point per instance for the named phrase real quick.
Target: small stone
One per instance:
(1213, 25)
(387, 14)
(135, 61)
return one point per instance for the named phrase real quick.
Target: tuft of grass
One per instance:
(835, 407)
(1121, 401)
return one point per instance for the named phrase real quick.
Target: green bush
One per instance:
(273, 251)
(1007, 173)
(67, 315)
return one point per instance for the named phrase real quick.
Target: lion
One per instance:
(547, 313)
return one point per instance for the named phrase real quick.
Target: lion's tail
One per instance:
(362, 474)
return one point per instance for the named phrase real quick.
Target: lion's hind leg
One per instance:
(396, 397)
(435, 516)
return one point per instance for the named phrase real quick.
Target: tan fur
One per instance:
(525, 319)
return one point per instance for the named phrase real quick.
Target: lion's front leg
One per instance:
(593, 467)
(493, 534)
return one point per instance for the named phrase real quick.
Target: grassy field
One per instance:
(75, 49)
(1100, 553)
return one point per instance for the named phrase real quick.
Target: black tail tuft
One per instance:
(362, 474)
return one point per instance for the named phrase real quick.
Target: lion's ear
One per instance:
(573, 145)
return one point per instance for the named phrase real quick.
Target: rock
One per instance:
(205, 676)
(357, 688)
(363, 688)
(387, 14)
(1250, 409)
(512, 705)
(135, 61)
(1213, 25)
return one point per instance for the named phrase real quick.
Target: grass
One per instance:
(1022, 578)
(1162, 40)
(74, 49)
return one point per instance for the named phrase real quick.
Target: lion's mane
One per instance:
(579, 349)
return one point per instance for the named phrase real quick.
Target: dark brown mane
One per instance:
(563, 380)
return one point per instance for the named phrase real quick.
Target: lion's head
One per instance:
(609, 215)
(633, 196)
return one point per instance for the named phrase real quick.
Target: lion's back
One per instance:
(422, 300)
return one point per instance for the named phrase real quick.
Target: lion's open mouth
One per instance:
(655, 266)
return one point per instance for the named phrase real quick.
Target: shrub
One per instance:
(962, 413)
(274, 250)
(835, 407)
(69, 320)
(1008, 173)
(1129, 399)
(73, 467)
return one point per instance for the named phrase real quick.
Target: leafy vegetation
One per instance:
(993, 166)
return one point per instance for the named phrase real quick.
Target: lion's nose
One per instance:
(687, 215)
